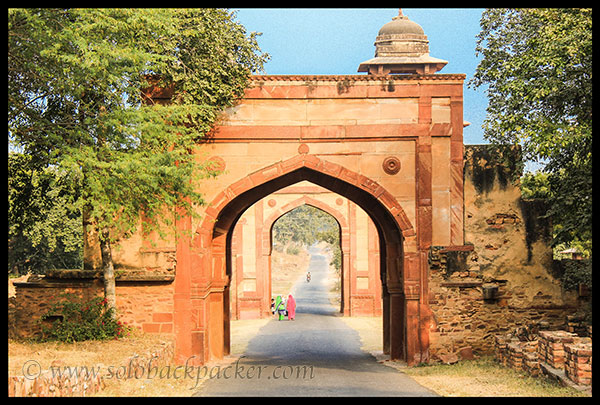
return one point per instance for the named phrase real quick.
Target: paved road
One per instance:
(315, 355)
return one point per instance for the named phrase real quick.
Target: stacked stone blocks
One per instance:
(558, 350)
(578, 363)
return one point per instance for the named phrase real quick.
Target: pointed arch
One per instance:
(304, 200)
(202, 290)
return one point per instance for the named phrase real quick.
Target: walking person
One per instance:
(280, 307)
(291, 307)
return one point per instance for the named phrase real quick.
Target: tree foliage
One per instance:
(76, 81)
(535, 185)
(76, 85)
(307, 225)
(537, 65)
(43, 229)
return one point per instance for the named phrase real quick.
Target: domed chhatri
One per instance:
(401, 46)
(401, 25)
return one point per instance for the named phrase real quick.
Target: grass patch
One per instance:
(484, 377)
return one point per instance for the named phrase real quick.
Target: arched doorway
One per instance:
(336, 215)
(297, 247)
(207, 256)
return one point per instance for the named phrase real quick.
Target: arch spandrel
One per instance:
(226, 208)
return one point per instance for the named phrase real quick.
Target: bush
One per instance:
(71, 320)
(293, 250)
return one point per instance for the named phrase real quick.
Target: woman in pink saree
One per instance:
(291, 307)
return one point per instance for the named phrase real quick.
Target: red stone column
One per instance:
(395, 301)
(262, 300)
(385, 297)
(212, 301)
(182, 304)
(456, 171)
(374, 273)
(416, 267)
(411, 290)
(215, 326)
(397, 313)
(226, 323)
(350, 280)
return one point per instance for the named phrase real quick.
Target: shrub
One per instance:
(293, 250)
(71, 320)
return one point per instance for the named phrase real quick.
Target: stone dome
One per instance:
(401, 47)
(401, 25)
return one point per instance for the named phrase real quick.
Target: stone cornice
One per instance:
(361, 78)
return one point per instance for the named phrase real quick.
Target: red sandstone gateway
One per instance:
(390, 144)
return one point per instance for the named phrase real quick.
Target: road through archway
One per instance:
(317, 354)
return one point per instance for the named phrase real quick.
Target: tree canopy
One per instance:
(537, 66)
(75, 99)
(44, 231)
(307, 225)
(78, 81)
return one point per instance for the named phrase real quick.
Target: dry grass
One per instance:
(482, 377)
(89, 353)
(102, 355)
(173, 385)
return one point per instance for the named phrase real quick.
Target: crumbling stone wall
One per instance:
(502, 277)
(559, 354)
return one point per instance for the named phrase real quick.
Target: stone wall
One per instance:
(145, 304)
(502, 277)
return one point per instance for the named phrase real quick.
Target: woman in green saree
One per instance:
(280, 307)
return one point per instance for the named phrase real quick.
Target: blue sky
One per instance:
(336, 40)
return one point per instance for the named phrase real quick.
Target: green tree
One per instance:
(537, 66)
(305, 226)
(43, 231)
(77, 100)
(535, 185)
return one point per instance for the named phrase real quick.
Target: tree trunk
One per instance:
(108, 270)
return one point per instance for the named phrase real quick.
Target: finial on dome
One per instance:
(400, 16)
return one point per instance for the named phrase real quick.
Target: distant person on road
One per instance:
(280, 307)
(308, 277)
(291, 307)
